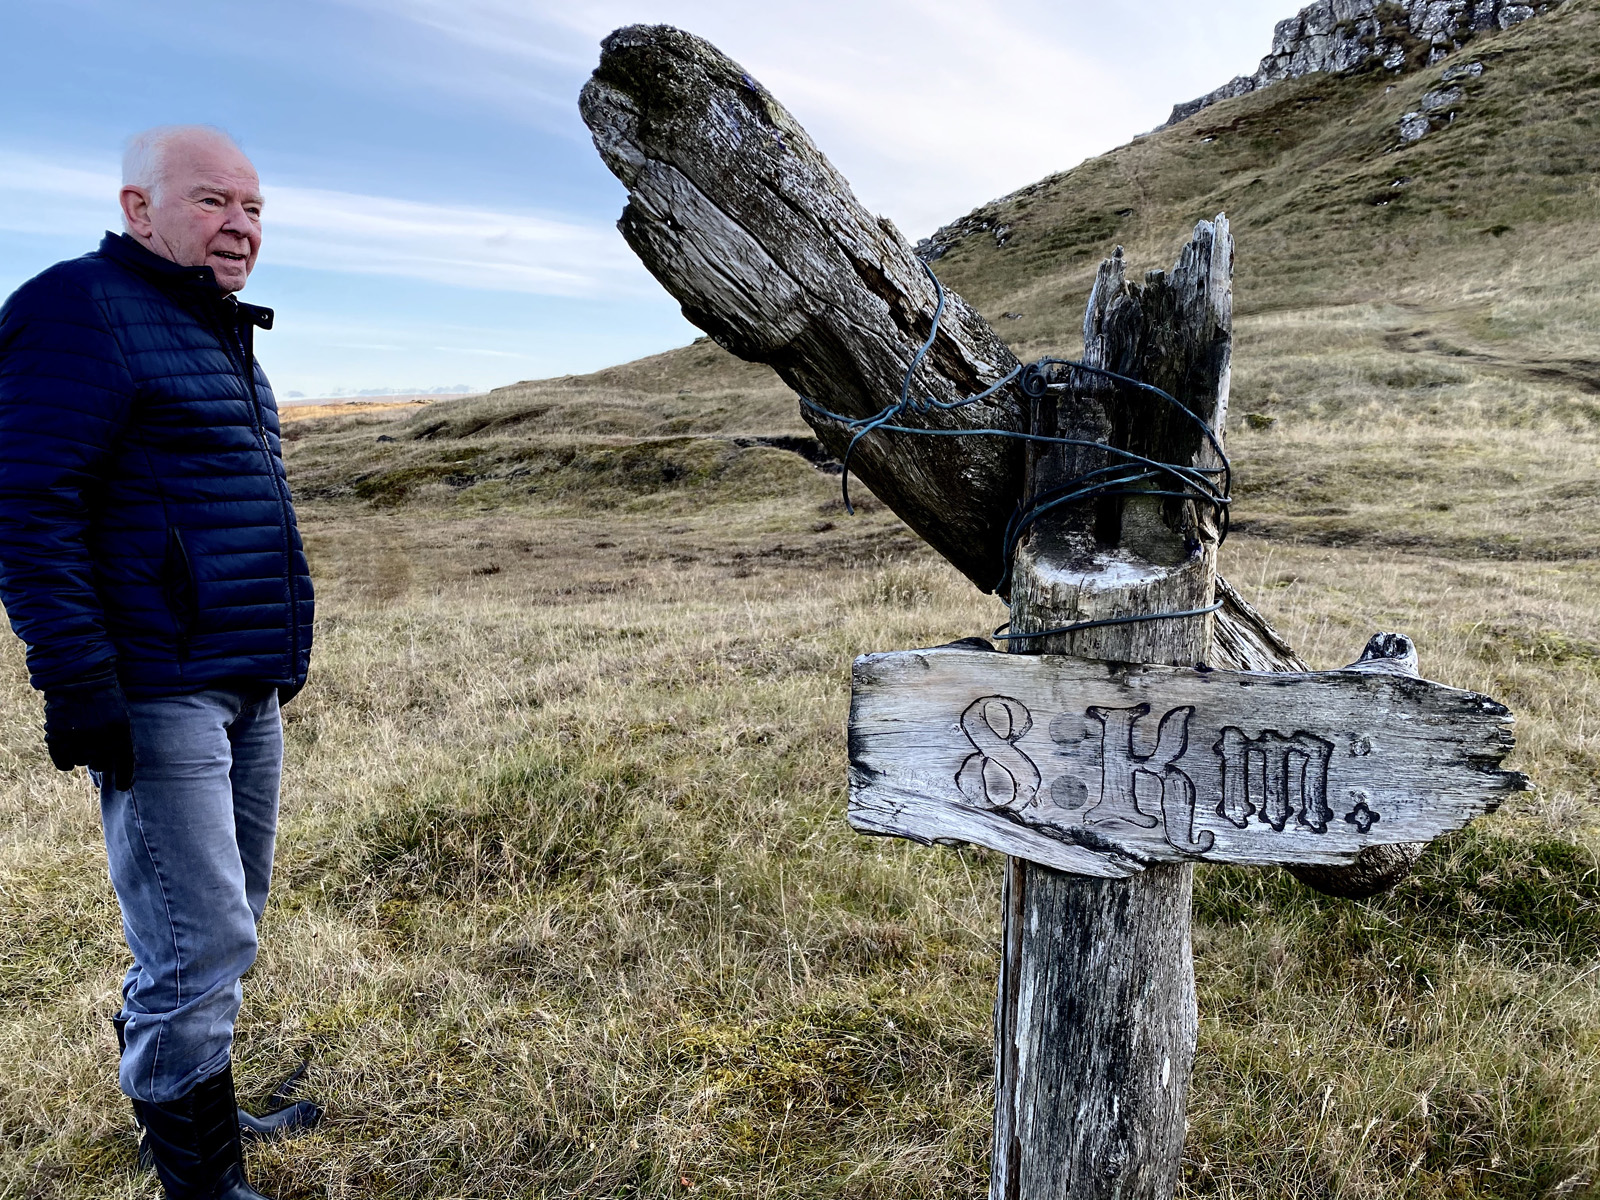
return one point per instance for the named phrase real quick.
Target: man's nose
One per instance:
(237, 220)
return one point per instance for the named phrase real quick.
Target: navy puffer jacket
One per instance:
(145, 521)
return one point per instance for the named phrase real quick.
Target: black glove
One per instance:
(87, 724)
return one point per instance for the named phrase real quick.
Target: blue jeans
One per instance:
(190, 845)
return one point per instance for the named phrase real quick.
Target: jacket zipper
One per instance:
(243, 339)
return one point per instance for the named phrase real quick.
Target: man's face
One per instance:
(207, 211)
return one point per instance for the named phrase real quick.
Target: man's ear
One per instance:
(136, 212)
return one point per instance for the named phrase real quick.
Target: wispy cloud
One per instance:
(45, 196)
(415, 143)
(928, 106)
(360, 234)
(465, 247)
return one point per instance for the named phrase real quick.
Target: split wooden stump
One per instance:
(1104, 760)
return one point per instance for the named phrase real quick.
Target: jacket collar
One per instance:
(196, 284)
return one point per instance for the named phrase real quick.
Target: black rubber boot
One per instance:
(286, 1119)
(195, 1143)
(284, 1122)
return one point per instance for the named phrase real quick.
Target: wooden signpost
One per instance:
(1153, 719)
(1099, 768)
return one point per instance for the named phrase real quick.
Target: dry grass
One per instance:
(566, 905)
(346, 408)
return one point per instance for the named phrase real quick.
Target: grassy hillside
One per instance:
(566, 905)
(1417, 359)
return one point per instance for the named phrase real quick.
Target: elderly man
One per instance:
(149, 559)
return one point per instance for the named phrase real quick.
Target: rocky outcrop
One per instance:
(987, 219)
(1439, 107)
(1331, 35)
(1343, 35)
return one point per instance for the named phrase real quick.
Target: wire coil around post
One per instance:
(1122, 477)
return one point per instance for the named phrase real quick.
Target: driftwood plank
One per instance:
(739, 215)
(1136, 764)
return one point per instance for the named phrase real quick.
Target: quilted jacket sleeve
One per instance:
(65, 396)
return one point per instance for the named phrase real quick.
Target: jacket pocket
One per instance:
(181, 591)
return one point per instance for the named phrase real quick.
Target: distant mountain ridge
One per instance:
(1342, 35)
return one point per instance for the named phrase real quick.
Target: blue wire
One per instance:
(933, 332)
(1194, 481)
(1082, 625)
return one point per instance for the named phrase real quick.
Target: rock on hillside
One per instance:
(1341, 35)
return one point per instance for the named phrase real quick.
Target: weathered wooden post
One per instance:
(1103, 760)
(1095, 1021)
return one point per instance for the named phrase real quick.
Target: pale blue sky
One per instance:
(436, 214)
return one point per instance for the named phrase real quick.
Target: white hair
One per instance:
(144, 161)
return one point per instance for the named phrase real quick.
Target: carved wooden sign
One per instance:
(1098, 767)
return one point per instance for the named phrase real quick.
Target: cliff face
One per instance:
(1341, 35)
